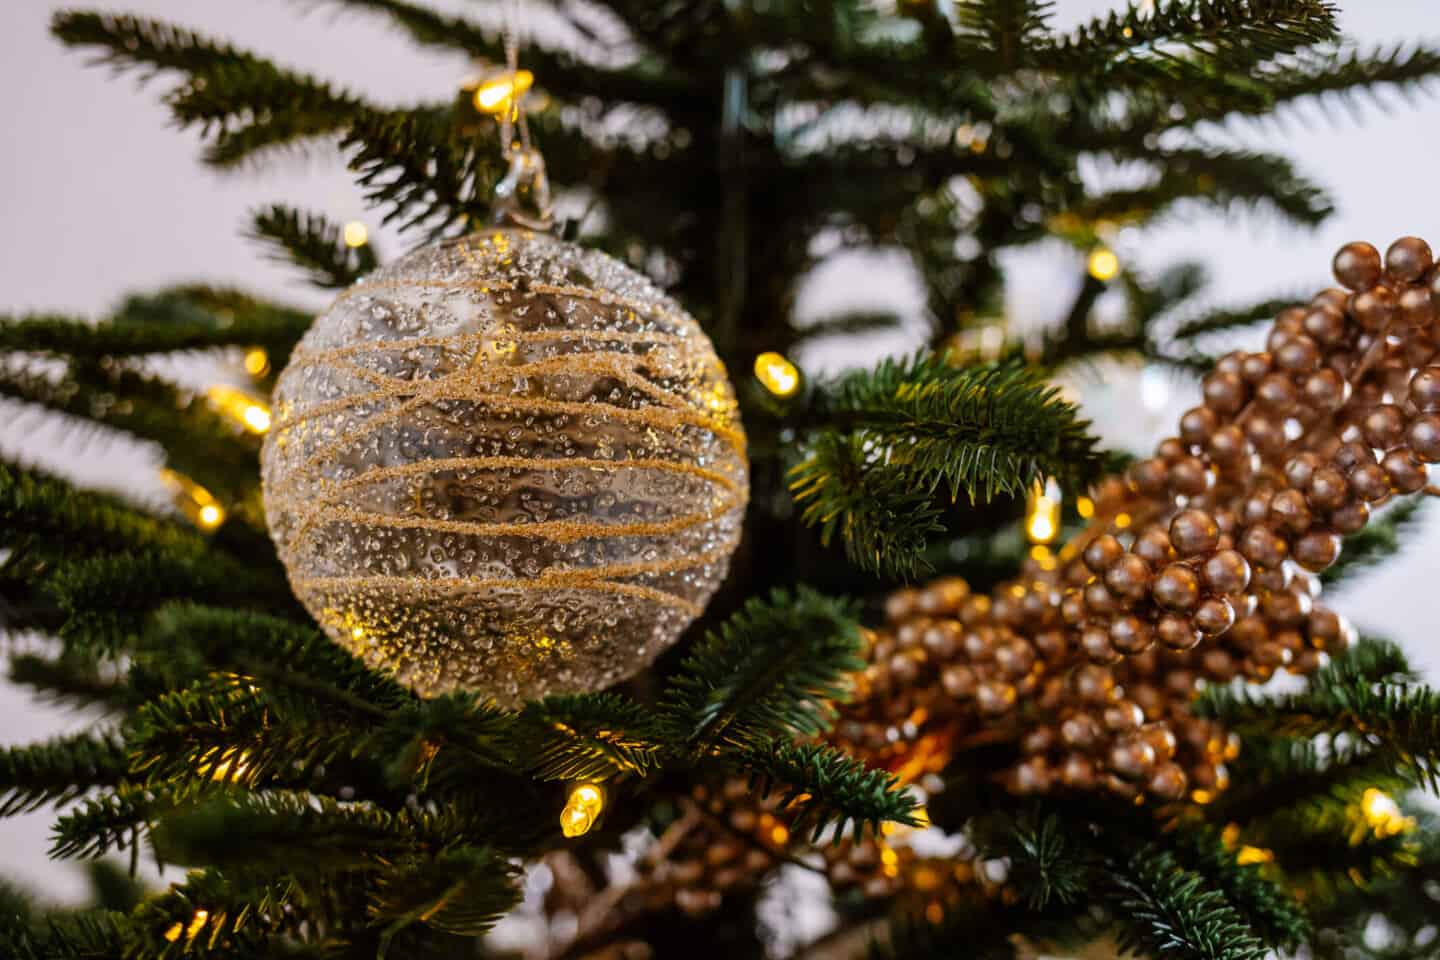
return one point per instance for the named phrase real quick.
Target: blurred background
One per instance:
(100, 197)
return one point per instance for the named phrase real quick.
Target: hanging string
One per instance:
(513, 115)
(522, 195)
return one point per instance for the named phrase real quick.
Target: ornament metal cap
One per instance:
(522, 197)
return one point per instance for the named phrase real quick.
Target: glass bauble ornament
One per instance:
(505, 464)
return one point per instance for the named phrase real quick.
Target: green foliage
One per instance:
(1380, 540)
(824, 787)
(916, 428)
(249, 103)
(191, 641)
(1218, 321)
(589, 737)
(1164, 910)
(1232, 34)
(58, 771)
(1265, 906)
(461, 890)
(313, 242)
(75, 681)
(99, 825)
(1046, 865)
(776, 666)
(77, 521)
(423, 167)
(1004, 426)
(882, 517)
(847, 323)
(1364, 695)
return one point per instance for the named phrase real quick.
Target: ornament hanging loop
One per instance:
(522, 196)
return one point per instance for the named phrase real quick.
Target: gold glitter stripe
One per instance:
(422, 467)
(635, 568)
(609, 299)
(425, 394)
(556, 531)
(560, 531)
(475, 586)
(609, 364)
(307, 358)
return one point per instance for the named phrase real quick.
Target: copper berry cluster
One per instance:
(1198, 566)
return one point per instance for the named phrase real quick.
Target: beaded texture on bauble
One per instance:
(505, 464)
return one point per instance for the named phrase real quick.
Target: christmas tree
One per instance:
(972, 686)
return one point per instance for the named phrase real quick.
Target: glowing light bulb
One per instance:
(232, 766)
(250, 412)
(582, 809)
(1248, 855)
(257, 362)
(356, 234)
(190, 931)
(1085, 507)
(193, 500)
(1103, 264)
(1382, 814)
(496, 95)
(777, 374)
(1042, 513)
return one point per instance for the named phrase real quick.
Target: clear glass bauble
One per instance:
(505, 464)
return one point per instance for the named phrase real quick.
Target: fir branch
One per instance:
(100, 825)
(1224, 179)
(437, 743)
(1166, 911)
(250, 109)
(81, 935)
(299, 833)
(190, 642)
(884, 520)
(427, 169)
(1009, 30)
(1276, 777)
(246, 102)
(589, 737)
(558, 70)
(73, 681)
(847, 323)
(179, 318)
(985, 431)
(775, 666)
(1347, 72)
(58, 771)
(894, 436)
(825, 787)
(214, 915)
(226, 731)
(1363, 695)
(1268, 908)
(135, 43)
(80, 521)
(1218, 321)
(198, 442)
(312, 242)
(462, 890)
(1044, 864)
(1232, 35)
(105, 598)
(1381, 539)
